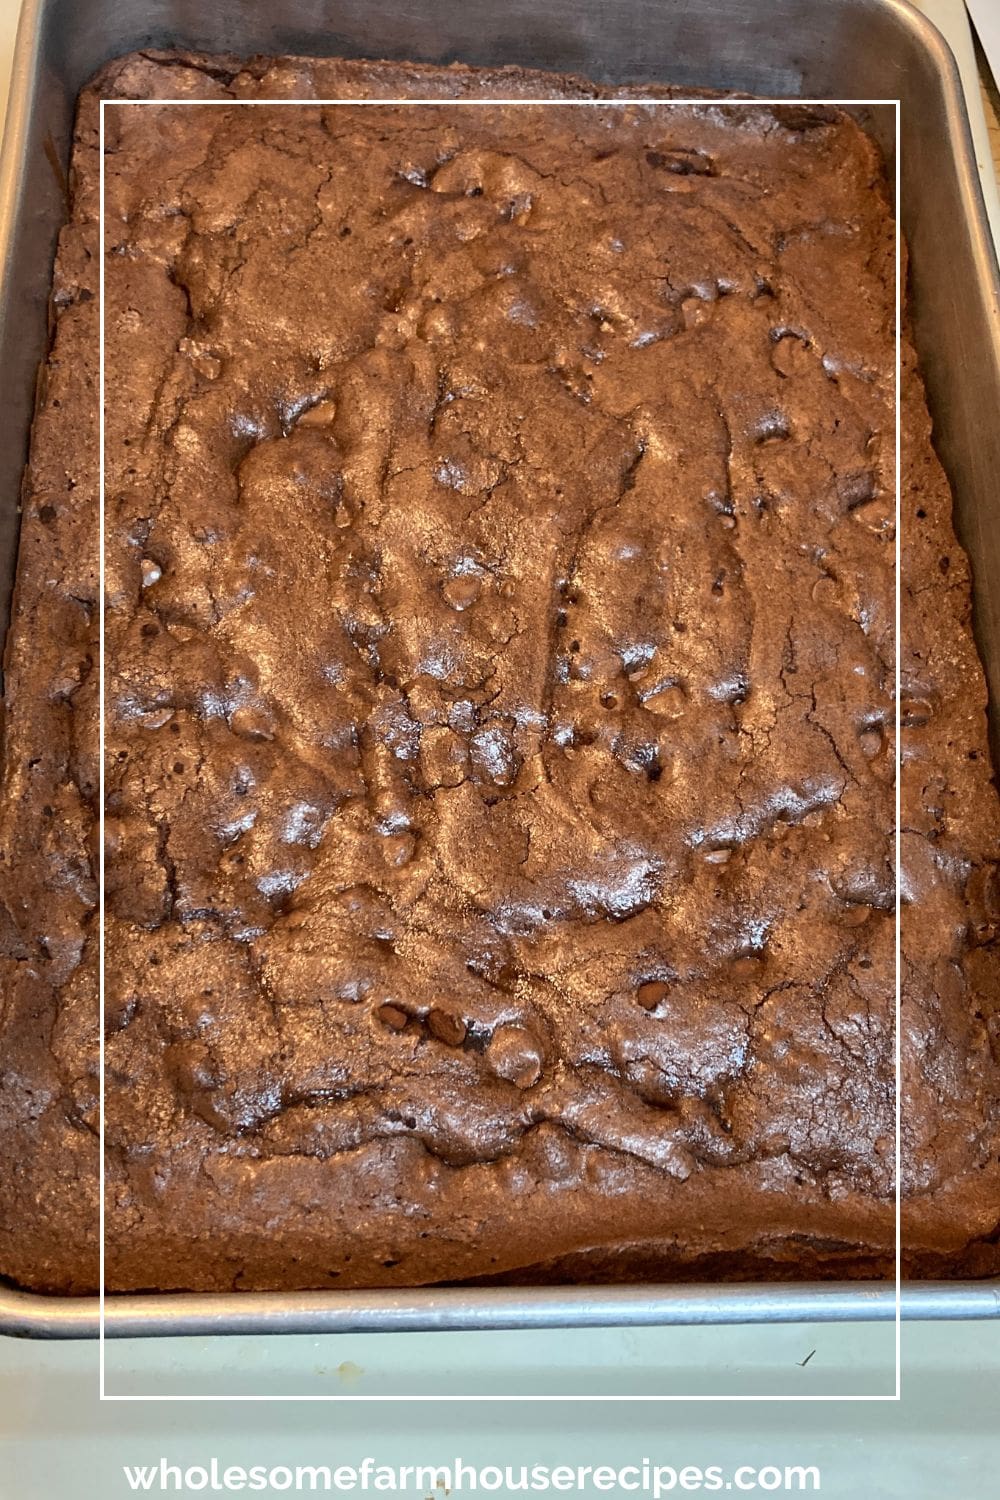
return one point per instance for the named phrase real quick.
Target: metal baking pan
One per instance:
(840, 49)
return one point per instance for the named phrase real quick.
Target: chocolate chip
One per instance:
(915, 713)
(666, 699)
(651, 992)
(320, 415)
(859, 488)
(398, 849)
(252, 723)
(461, 590)
(515, 1056)
(825, 590)
(870, 741)
(446, 1027)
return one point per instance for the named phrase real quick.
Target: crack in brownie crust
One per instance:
(499, 565)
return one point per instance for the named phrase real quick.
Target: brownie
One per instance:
(500, 808)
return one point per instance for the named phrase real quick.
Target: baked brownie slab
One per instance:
(500, 667)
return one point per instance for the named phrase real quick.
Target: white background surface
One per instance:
(941, 1442)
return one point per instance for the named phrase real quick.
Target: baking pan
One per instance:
(840, 49)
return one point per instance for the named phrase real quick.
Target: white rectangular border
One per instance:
(896, 1395)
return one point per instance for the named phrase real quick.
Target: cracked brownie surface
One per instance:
(499, 705)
